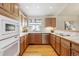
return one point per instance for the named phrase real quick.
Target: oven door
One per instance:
(11, 50)
(9, 27)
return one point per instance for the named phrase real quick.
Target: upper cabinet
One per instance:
(16, 10)
(50, 22)
(11, 10)
(1, 5)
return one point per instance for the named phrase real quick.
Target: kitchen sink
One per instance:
(64, 34)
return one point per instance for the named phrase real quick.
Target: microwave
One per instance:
(8, 27)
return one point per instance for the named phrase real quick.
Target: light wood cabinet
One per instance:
(11, 10)
(35, 38)
(74, 49)
(23, 44)
(65, 47)
(50, 22)
(1, 5)
(52, 40)
(58, 45)
(6, 7)
(16, 10)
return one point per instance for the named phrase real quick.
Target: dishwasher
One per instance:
(45, 38)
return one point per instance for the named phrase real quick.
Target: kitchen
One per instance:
(39, 29)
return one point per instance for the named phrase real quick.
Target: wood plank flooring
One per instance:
(39, 50)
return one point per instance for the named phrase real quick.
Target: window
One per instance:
(35, 25)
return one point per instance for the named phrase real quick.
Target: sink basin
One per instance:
(64, 34)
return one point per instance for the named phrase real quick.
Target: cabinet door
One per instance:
(53, 22)
(50, 39)
(38, 38)
(1, 5)
(53, 41)
(65, 47)
(12, 8)
(47, 22)
(35, 38)
(74, 53)
(24, 43)
(74, 49)
(50, 22)
(16, 10)
(31, 38)
(26, 40)
(21, 46)
(6, 6)
(58, 45)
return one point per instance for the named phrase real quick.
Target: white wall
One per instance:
(60, 21)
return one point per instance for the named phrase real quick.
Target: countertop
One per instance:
(73, 38)
(25, 33)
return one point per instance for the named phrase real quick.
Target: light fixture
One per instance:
(50, 7)
(38, 7)
(27, 7)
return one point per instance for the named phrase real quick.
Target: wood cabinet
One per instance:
(6, 7)
(35, 38)
(23, 44)
(58, 45)
(11, 10)
(74, 49)
(1, 5)
(53, 40)
(65, 47)
(16, 10)
(50, 22)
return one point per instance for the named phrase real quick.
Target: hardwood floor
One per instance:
(39, 50)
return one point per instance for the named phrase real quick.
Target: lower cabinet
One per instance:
(23, 44)
(35, 38)
(74, 49)
(65, 47)
(58, 45)
(52, 40)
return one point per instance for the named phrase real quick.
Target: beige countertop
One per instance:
(25, 33)
(22, 34)
(74, 38)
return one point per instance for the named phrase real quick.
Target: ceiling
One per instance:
(71, 9)
(49, 9)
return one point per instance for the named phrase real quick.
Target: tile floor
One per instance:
(39, 50)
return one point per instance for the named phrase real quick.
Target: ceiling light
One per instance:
(50, 7)
(38, 7)
(27, 7)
